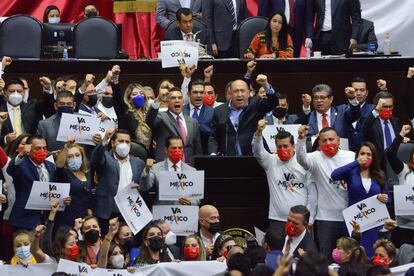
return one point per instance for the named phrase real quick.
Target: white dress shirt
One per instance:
(125, 173)
(192, 109)
(327, 21)
(319, 118)
(295, 242)
(287, 10)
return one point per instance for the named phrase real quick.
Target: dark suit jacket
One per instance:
(166, 10)
(224, 137)
(342, 29)
(205, 118)
(307, 244)
(355, 134)
(163, 125)
(23, 176)
(176, 34)
(217, 16)
(289, 119)
(303, 18)
(107, 168)
(366, 35)
(49, 128)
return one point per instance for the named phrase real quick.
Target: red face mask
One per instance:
(367, 164)
(329, 149)
(175, 155)
(381, 261)
(225, 253)
(385, 113)
(39, 156)
(284, 154)
(73, 252)
(191, 252)
(209, 99)
(290, 229)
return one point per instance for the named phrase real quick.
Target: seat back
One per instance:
(21, 37)
(247, 30)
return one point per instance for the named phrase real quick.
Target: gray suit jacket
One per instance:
(149, 180)
(166, 10)
(49, 128)
(163, 125)
(107, 168)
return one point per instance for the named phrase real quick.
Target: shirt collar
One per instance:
(192, 107)
(10, 106)
(233, 109)
(171, 164)
(175, 115)
(328, 113)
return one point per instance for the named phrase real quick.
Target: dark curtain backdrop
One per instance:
(140, 34)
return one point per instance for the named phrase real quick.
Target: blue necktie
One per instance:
(387, 135)
(195, 113)
(233, 13)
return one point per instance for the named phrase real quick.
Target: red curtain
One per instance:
(140, 33)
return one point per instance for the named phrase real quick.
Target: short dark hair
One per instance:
(302, 210)
(64, 94)
(208, 83)
(282, 96)
(358, 79)
(322, 87)
(382, 95)
(261, 270)
(326, 129)
(11, 82)
(170, 138)
(175, 88)
(47, 11)
(195, 82)
(285, 134)
(179, 12)
(378, 270)
(239, 262)
(38, 137)
(274, 239)
(120, 131)
(256, 254)
(312, 264)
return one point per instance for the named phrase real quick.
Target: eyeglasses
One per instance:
(322, 98)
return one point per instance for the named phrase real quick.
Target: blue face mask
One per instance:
(138, 101)
(75, 164)
(64, 109)
(23, 252)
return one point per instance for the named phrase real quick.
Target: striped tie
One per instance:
(233, 13)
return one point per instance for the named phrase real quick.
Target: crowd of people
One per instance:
(149, 131)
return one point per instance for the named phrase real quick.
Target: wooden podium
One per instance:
(237, 186)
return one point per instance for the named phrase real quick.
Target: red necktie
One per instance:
(175, 167)
(324, 121)
(287, 247)
(183, 133)
(291, 13)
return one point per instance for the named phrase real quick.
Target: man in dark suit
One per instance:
(29, 166)
(366, 35)
(279, 114)
(86, 97)
(23, 117)
(185, 29)
(355, 135)
(199, 111)
(299, 17)
(337, 26)
(116, 169)
(174, 122)
(297, 235)
(235, 122)
(222, 18)
(326, 115)
(166, 10)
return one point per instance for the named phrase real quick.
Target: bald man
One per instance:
(209, 219)
(235, 122)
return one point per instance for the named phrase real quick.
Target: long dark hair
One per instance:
(11, 149)
(282, 36)
(58, 245)
(46, 13)
(374, 169)
(145, 254)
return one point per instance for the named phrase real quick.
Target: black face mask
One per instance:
(214, 228)
(128, 244)
(91, 14)
(156, 243)
(92, 99)
(92, 236)
(280, 112)
(108, 102)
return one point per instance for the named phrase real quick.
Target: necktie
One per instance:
(291, 13)
(324, 121)
(287, 247)
(186, 37)
(387, 135)
(195, 113)
(183, 133)
(42, 176)
(175, 167)
(233, 13)
(17, 120)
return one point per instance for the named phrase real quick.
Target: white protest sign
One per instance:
(43, 193)
(174, 185)
(259, 235)
(74, 268)
(269, 133)
(113, 272)
(173, 52)
(404, 200)
(103, 125)
(183, 219)
(369, 213)
(80, 126)
(133, 208)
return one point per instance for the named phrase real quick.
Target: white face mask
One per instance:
(150, 101)
(15, 98)
(54, 20)
(118, 261)
(170, 238)
(122, 150)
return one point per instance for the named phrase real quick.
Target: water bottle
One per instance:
(387, 42)
(65, 54)
(308, 53)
